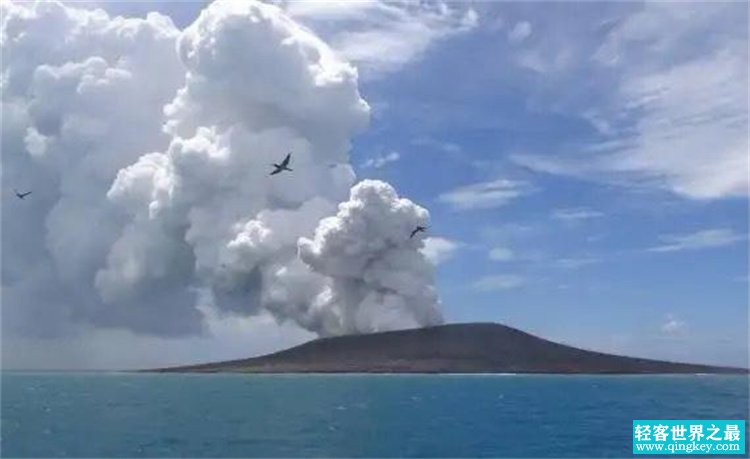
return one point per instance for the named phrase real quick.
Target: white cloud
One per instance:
(501, 254)
(640, 35)
(378, 277)
(203, 211)
(83, 97)
(164, 138)
(575, 263)
(668, 124)
(673, 326)
(381, 36)
(520, 32)
(575, 214)
(486, 195)
(498, 282)
(439, 249)
(571, 166)
(692, 133)
(380, 161)
(446, 147)
(703, 239)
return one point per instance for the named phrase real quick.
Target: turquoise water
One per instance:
(143, 415)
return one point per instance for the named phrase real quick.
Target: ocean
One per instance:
(225, 415)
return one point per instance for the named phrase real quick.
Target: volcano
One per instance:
(452, 348)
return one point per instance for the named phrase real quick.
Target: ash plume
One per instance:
(149, 148)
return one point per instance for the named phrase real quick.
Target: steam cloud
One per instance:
(148, 151)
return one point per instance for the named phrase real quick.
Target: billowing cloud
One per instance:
(149, 148)
(379, 277)
(82, 97)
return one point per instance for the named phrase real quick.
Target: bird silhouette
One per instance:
(418, 229)
(21, 195)
(284, 166)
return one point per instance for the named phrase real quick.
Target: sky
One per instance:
(584, 165)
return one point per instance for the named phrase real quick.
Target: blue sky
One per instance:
(635, 262)
(585, 165)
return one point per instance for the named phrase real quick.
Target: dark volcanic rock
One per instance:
(454, 348)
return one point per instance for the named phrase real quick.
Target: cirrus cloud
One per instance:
(698, 240)
(378, 36)
(498, 282)
(486, 195)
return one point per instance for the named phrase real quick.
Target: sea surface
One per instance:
(224, 415)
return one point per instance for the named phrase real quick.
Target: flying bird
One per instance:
(21, 195)
(284, 166)
(418, 229)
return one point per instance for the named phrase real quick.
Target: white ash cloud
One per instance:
(149, 148)
(82, 97)
(379, 277)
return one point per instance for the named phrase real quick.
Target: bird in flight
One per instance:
(284, 166)
(21, 195)
(418, 229)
